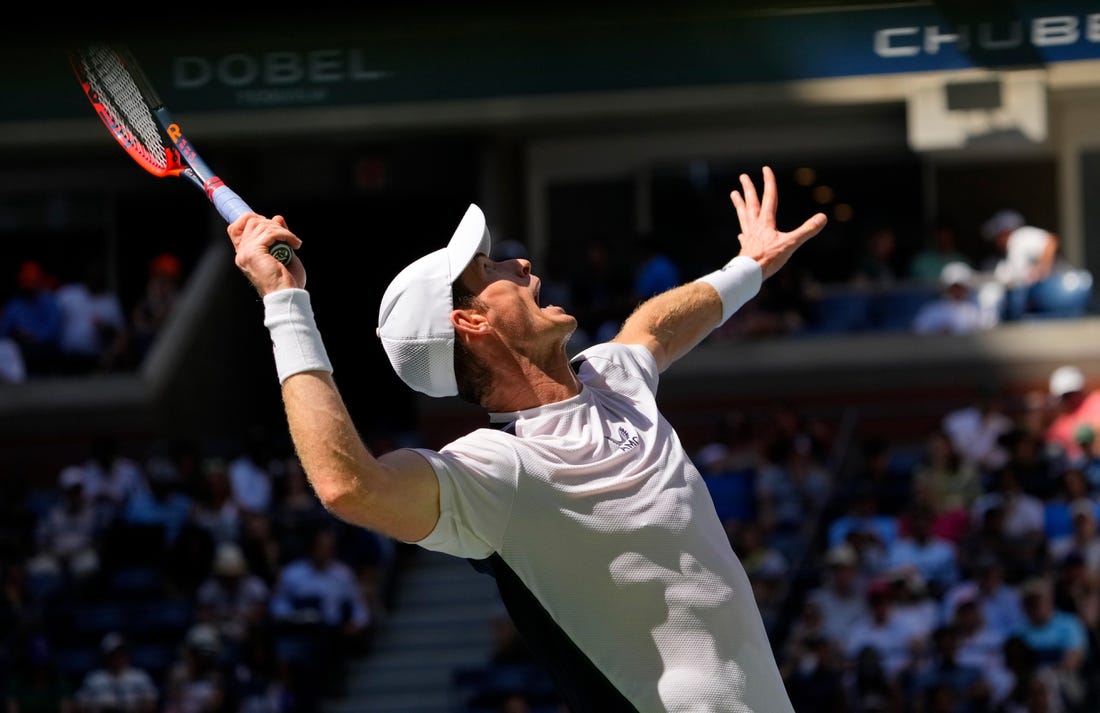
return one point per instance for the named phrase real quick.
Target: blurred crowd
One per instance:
(78, 324)
(958, 574)
(183, 581)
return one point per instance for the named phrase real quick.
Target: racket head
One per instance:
(125, 102)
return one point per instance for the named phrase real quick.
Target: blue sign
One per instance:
(467, 56)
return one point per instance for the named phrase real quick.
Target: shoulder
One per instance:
(612, 358)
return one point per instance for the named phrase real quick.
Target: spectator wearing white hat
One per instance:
(956, 310)
(1027, 253)
(841, 596)
(1075, 406)
(232, 598)
(1024, 255)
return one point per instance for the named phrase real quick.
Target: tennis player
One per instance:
(580, 500)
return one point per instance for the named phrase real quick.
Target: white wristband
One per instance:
(737, 282)
(288, 316)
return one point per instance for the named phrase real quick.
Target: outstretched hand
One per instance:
(252, 236)
(759, 237)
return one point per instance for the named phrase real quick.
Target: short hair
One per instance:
(472, 376)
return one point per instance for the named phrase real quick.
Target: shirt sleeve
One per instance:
(478, 476)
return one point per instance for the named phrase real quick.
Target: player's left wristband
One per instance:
(737, 282)
(295, 338)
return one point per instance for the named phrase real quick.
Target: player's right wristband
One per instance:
(737, 282)
(297, 343)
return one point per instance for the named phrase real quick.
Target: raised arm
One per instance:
(672, 323)
(396, 494)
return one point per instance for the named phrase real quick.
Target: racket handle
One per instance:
(231, 206)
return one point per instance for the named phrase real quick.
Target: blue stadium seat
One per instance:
(1057, 520)
(1064, 295)
(840, 312)
(895, 308)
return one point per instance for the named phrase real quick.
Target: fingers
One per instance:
(771, 195)
(752, 203)
(261, 232)
(813, 225)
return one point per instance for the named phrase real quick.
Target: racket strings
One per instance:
(108, 77)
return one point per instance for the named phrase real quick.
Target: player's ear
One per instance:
(469, 321)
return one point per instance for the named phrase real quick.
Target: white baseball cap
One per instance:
(1000, 222)
(955, 273)
(414, 320)
(1065, 380)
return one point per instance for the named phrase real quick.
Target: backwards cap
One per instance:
(414, 320)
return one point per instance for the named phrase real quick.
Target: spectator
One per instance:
(975, 430)
(322, 588)
(965, 683)
(766, 566)
(1077, 592)
(928, 264)
(955, 311)
(1037, 469)
(866, 528)
(914, 604)
(878, 266)
(842, 593)
(948, 485)
(32, 319)
(215, 509)
(1024, 513)
(250, 476)
(893, 639)
(296, 510)
(196, 682)
(94, 331)
(162, 503)
(258, 683)
(1034, 688)
(1022, 256)
(117, 686)
(232, 599)
(68, 533)
(980, 645)
(999, 602)
(156, 304)
(872, 688)
(814, 675)
(791, 489)
(1082, 540)
(1075, 405)
(110, 478)
(919, 549)
(1058, 637)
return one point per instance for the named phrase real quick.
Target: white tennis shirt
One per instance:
(596, 507)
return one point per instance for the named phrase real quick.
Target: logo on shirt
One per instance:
(625, 441)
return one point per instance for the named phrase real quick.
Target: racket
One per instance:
(132, 111)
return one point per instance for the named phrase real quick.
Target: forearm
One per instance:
(674, 322)
(333, 456)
